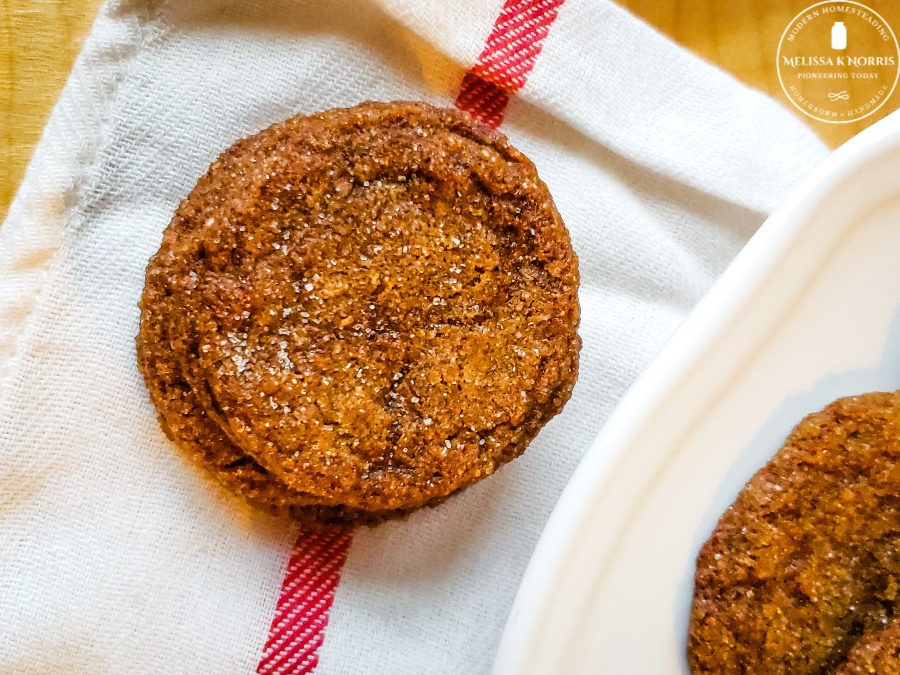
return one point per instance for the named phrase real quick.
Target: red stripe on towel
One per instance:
(509, 55)
(298, 628)
(307, 592)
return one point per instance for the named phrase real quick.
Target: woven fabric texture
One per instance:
(117, 555)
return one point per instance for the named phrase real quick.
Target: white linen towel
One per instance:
(116, 554)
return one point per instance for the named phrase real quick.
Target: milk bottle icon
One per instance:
(838, 35)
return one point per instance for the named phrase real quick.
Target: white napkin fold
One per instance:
(116, 554)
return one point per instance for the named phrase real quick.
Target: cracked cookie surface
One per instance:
(376, 306)
(802, 573)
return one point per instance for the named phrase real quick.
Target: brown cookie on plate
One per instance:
(802, 573)
(375, 306)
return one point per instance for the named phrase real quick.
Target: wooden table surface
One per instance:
(39, 40)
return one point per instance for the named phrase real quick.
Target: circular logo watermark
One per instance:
(838, 61)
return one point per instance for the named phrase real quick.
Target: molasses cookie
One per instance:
(363, 310)
(186, 423)
(802, 573)
(876, 653)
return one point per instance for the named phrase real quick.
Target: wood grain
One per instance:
(39, 40)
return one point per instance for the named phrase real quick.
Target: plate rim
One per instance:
(524, 642)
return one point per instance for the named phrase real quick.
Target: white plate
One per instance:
(808, 312)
